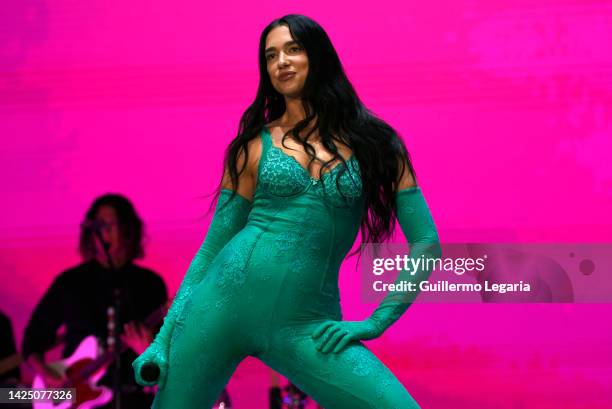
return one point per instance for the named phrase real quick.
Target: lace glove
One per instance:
(229, 218)
(420, 231)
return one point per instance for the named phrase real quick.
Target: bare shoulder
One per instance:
(252, 154)
(254, 147)
(247, 172)
(405, 178)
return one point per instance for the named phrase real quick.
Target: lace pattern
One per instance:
(280, 174)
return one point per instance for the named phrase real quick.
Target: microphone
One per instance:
(95, 225)
(150, 372)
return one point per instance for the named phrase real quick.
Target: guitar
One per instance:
(9, 363)
(85, 367)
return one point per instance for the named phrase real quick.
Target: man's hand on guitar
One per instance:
(136, 336)
(52, 377)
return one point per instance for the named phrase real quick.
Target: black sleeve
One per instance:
(7, 346)
(162, 291)
(47, 317)
(160, 296)
(7, 342)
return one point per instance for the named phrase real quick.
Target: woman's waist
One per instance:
(311, 240)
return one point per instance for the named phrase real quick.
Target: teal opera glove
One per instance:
(333, 336)
(229, 218)
(418, 226)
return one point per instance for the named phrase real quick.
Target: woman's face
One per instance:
(286, 61)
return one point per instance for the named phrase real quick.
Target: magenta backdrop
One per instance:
(504, 106)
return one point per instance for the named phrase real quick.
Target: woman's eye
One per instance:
(295, 48)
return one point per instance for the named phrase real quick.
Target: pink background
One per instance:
(504, 106)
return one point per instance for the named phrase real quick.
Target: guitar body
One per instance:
(88, 394)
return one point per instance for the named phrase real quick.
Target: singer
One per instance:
(310, 167)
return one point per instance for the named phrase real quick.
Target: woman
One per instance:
(294, 194)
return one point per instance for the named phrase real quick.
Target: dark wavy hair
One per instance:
(130, 227)
(329, 98)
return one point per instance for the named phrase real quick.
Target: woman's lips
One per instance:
(286, 76)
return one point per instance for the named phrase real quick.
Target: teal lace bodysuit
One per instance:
(265, 284)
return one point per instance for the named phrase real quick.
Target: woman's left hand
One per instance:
(333, 336)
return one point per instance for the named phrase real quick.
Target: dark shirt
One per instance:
(79, 298)
(7, 349)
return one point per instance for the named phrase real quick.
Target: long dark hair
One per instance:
(329, 98)
(129, 223)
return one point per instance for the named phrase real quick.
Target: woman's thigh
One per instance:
(204, 352)
(353, 378)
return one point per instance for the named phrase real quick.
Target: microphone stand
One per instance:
(116, 323)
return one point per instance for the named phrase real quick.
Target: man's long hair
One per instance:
(129, 223)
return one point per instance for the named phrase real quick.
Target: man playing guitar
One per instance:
(80, 297)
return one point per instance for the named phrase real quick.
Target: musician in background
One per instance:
(79, 298)
(9, 376)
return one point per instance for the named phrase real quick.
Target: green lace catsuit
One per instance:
(264, 283)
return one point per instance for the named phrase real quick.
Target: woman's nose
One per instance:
(282, 59)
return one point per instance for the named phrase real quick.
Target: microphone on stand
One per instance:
(94, 225)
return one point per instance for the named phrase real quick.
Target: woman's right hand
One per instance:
(156, 354)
